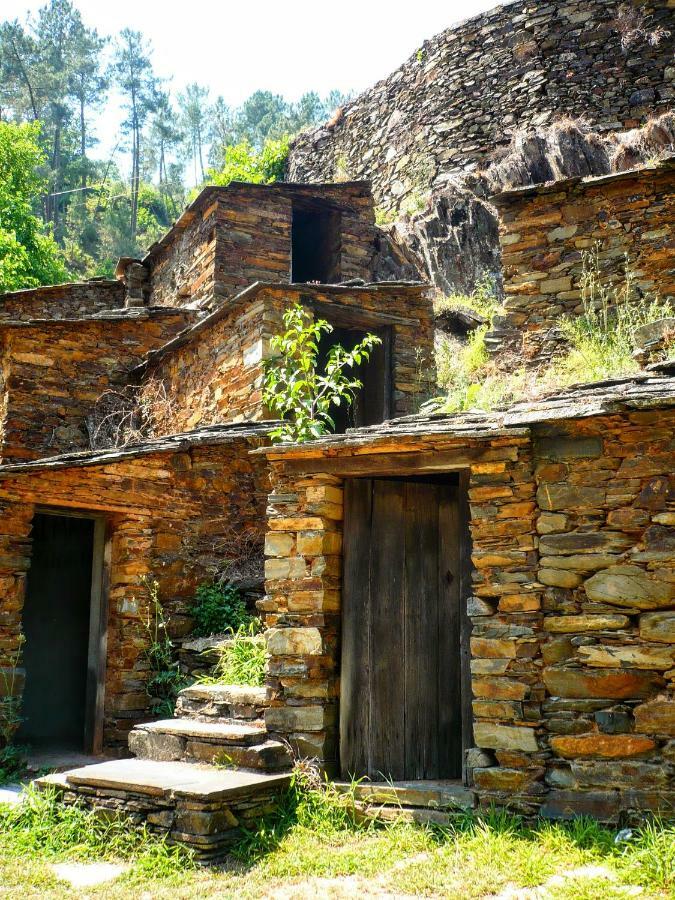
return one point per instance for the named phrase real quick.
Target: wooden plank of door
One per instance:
(386, 631)
(421, 630)
(449, 670)
(355, 665)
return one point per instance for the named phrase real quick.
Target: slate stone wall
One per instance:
(164, 514)
(572, 607)
(217, 374)
(63, 301)
(545, 230)
(233, 236)
(466, 90)
(53, 373)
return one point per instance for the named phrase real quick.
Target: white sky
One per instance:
(235, 47)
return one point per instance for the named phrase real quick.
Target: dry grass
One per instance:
(570, 148)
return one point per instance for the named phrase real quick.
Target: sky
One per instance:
(235, 47)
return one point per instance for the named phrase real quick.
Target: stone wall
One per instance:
(165, 513)
(63, 301)
(54, 371)
(572, 606)
(467, 89)
(544, 231)
(231, 237)
(214, 373)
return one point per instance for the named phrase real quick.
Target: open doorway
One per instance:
(405, 697)
(62, 618)
(372, 402)
(315, 244)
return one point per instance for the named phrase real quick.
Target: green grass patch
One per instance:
(317, 838)
(242, 659)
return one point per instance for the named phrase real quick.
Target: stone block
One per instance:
(629, 586)
(505, 737)
(601, 746)
(558, 448)
(499, 689)
(585, 623)
(559, 578)
(509, 780)
(612, 721)
(656, 717)
(620, 774)
(294, 641)
(573, 542)
(630, 657)
(295, 718)
(612, 684)
(601, 805)
(565, 496)
(278, 544)
(658, 626)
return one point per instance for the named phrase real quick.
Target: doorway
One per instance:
(372, 401)
(404, 696)
(315, 244)
(61, 620)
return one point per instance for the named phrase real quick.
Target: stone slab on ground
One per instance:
(172, 779)
(11, 794)
(430, 794)
(81, 875)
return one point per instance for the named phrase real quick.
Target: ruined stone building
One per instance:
(477, 608)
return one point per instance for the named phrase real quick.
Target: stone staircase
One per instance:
(199, 777)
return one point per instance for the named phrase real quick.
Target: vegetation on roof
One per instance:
(599, 344)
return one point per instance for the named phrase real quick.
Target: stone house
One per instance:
(84, 522)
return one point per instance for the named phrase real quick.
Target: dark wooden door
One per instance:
(56, 617)
(400, 694)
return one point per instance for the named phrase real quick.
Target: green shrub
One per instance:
(218, 608)
(295, 387)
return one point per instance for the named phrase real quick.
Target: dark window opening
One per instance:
(56, 623)
(372, 401)
(315, 252)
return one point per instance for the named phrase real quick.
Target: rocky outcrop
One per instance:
(465, 92)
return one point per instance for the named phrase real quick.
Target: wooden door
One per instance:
(401, 673)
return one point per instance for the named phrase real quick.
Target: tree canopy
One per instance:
(56, 79)
(28, 256)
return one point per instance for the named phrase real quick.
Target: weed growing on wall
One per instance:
(12, 756)
(165, 679)
(295, 388)
(600, 345)
(242, 659)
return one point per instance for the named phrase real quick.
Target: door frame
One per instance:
(98, 621)
(465, 591)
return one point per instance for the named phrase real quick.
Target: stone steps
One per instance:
(206, 702)
(227, 743)
(201, 806)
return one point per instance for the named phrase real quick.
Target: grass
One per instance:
(599, 345)
(242, 659)
(315, 846)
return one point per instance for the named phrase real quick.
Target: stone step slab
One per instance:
(431, 795)
(224, 732)
(203, 807)
(173, 779)
(164, 747)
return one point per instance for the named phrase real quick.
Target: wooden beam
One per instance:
(385, 463)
